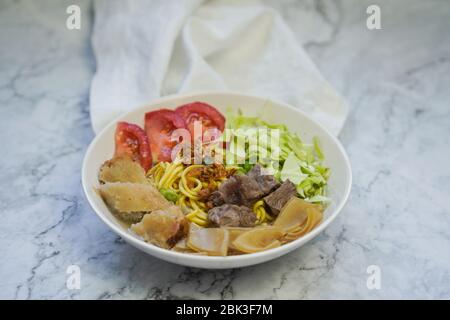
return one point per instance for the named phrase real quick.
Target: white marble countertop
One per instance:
(397, 81)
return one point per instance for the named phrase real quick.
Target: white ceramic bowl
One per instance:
(102, 149)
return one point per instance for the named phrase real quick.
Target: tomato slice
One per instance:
(159, 126)
(131, 140)
(210, 117)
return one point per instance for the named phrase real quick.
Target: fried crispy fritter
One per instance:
(122, 169)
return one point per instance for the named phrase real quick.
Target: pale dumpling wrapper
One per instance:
(298, 217)
(314, 217)
(181, 246)
(213, 241)
(293, 214)
(259, 239)
(235, 232)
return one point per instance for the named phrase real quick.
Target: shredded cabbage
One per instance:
(290, 159)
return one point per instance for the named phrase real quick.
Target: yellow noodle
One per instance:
(198, 217)
(170, 175)
(182, 201)
(261, 214)
(175, 176)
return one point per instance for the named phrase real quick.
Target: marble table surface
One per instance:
(397, 82)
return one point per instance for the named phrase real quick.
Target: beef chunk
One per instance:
(248, 217)
(255, 172)
(225, 215)
(249, 190)
(277, 199)
(244, 189)
(266, 182)
(230, 215)
(216, 199)
(240, 190)
(229, 190)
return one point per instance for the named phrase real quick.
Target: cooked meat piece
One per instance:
(255, 172)
(132, 197)
(225, 215)
(163, 228)
(122, 169)
(229, 190)
(230, 215)
(267, 182)
(248, 217)
(216, 199)
(239, 190)
(277, 199)
(244, 189)
(249, 190)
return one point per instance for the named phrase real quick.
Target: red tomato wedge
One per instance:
(210, 117)
(130, 139)
(159, 126)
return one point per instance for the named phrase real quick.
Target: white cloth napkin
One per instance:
(149, 48)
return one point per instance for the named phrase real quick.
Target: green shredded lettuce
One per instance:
(292, 170)
(317, 148)
(291, 159)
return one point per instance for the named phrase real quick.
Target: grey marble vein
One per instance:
(397, 82)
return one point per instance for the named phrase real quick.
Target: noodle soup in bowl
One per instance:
(102, 149)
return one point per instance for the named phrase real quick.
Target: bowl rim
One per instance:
(281, 250)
